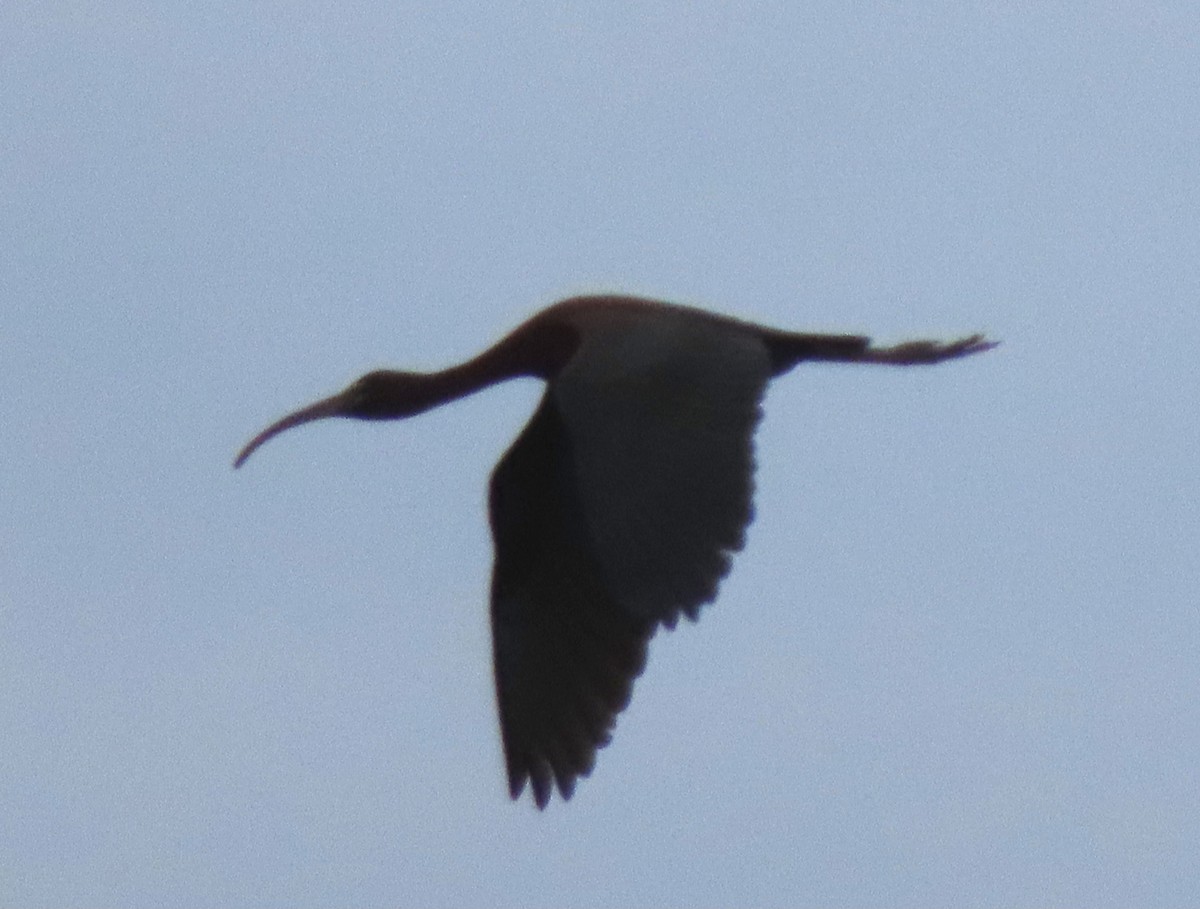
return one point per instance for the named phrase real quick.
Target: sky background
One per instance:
(958, 662)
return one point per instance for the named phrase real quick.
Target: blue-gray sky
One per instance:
(958, 662)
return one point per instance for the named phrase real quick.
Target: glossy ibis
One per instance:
(619, 505)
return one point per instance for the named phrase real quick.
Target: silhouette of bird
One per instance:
(618, 507)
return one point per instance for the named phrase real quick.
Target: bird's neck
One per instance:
(538, 349)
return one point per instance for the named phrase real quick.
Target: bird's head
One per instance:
(379, 395)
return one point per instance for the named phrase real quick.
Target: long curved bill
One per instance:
(334, 406)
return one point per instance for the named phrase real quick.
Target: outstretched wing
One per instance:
(565, 654)
(662, 424)
(616, 509)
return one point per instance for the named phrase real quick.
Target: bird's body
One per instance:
(619, 505)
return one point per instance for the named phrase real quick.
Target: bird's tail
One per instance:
(789, 348)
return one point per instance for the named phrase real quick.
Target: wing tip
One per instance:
(542, 783)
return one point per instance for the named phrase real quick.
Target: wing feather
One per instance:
(565, 654)
(616, 509)
(662, 424)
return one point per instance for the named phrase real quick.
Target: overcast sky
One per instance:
(958, 662)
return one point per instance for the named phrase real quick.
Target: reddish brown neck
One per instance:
(539, 348)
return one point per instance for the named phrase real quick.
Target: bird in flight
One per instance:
(617, 508)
